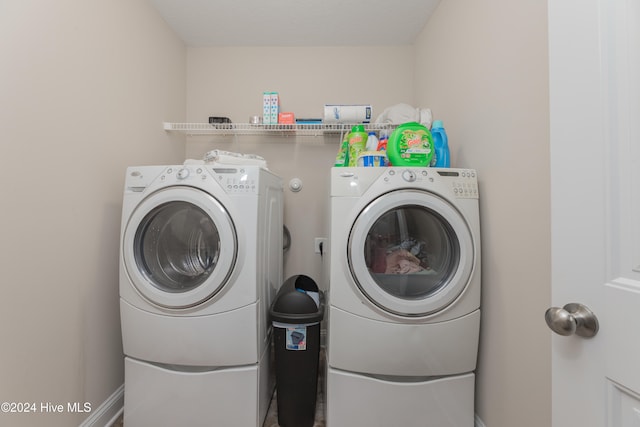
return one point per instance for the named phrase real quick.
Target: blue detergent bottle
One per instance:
(441, 146)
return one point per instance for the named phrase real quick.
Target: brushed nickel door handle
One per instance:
(571, 319)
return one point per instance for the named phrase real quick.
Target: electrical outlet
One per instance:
(319, 241)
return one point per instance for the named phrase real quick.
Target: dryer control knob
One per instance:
(408, 176)
(183, 173)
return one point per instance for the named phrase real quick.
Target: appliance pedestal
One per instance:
(357, 401)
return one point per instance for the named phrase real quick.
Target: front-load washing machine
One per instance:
(404, 298)
(200, 262)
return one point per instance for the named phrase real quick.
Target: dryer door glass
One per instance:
(411, 252)
(177, 246)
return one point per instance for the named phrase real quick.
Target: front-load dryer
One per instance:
(404, 299)
(200, 262)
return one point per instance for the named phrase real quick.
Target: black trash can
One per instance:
(296, 314)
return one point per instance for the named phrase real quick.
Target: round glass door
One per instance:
(411, 253)
(179, 247)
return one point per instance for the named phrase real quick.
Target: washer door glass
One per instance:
(179, 247)
(411, 253)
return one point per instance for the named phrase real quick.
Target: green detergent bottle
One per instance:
(342, 158)
(410, 144)
(357, 143)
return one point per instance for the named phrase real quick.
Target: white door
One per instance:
(594, 50)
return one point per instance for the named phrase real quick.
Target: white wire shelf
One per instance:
(318, 129)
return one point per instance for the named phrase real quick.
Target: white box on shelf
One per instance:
(340, 113)
(266, 108)
(275, 108)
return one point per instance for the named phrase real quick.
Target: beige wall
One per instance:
(230, 82)
(482, 67)
(85, 87)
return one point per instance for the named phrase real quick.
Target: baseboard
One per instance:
(477, 422)
(108, 412)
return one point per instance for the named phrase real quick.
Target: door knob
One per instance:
(572, 319)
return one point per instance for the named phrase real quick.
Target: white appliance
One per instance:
(404, 299)
(200, 262)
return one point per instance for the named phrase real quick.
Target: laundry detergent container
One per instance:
(296, 314)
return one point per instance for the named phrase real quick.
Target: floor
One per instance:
(272, 416)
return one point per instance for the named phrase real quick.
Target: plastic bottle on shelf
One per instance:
(382, 142)
(357, 143)
(372, 142)
(441, 158)
(342, 158)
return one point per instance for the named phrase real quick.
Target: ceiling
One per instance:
(201, 23)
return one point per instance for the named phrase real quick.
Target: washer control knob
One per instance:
(183, 173)
(408, 176)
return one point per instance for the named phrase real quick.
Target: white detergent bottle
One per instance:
(372, 142)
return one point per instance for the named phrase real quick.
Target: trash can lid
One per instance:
(293, 305)
(296, 302)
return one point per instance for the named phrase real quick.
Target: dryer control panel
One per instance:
(463, 182)
(356, 181)
(236, 180)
